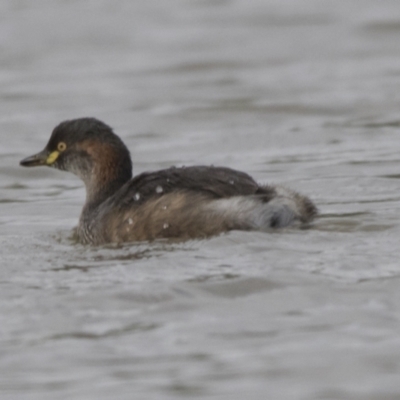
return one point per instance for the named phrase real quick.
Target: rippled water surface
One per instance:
(301, 93)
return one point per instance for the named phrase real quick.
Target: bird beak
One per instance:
(42, 158)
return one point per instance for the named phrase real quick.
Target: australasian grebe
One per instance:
(187, 202)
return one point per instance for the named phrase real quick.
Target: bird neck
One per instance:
(98, 191)
(108, 172)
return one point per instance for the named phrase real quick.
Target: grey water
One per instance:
(305, 94)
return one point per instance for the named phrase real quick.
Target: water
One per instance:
(301, 93)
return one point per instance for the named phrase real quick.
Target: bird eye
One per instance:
(61, 146)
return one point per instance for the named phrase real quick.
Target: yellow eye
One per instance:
(61, 146)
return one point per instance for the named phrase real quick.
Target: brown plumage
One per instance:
(180, 203)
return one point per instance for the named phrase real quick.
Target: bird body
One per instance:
(184, 203)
